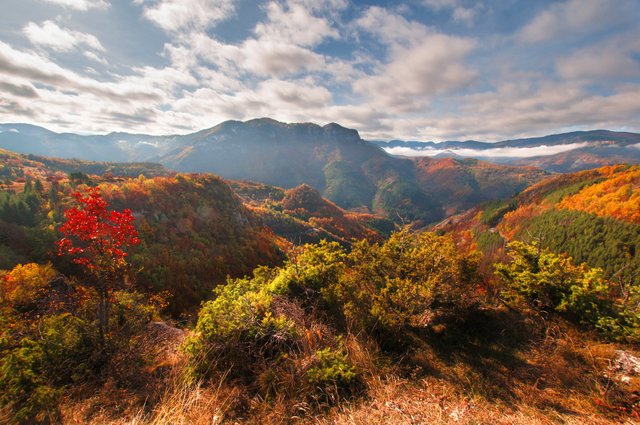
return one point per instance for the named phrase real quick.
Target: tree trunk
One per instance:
(103, 314)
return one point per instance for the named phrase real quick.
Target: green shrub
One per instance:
(553, 283)
(409, 281)
(33, 371)
(239, 326)
(331, 369)
(282, 325)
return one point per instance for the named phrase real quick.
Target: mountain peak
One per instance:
(335, 130)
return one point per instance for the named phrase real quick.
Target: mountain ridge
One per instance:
(335, 160)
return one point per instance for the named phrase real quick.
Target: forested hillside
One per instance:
(188, 298)
(195, 230)
(591, 215)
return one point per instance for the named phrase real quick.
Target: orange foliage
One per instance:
(618, 196)
(513, 220)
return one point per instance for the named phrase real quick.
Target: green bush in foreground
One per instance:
(331, 368)
(553, 283)
(33, 372)
(285, 325)
(49, 340)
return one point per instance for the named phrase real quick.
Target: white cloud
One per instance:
(516, 110)
(542, 150)
(459, 12)
(384, 72)
(294, 24)
(92, 56)
(422, 63)
(144, 87)
(82, 5)
(282, 46)
(574, 16)
(49, 34)
(613, 58)
(180, 15)
(463, 14)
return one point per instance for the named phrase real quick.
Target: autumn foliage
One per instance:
(95, 236)
(618, 196)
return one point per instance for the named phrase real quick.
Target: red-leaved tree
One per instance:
(96, 238)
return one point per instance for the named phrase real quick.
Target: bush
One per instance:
(33, 372)
(284, 324)
(49, 340)
(553, 283)
(410, 281)
(239, 326)
(266, 330)
(21, 287)
(331, 369)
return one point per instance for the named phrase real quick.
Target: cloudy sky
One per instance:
(419, 69)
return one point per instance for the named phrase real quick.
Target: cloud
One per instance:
(459, 12)
(518, 110)
(542, 150)
(294, 25)
(282, 45)
(93, 57)
(181, 15)
(575, 17)
(39, 69)
(20, 90)
(614, 58)
(49, 34)
(82, 5)
(285, 100)
(272, 58)
(395, 72)
(422, 62)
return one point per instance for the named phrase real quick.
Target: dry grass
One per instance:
(517, 373)
(188, 403)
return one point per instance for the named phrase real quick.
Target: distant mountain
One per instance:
(344, 168)
(592, 215)
(567, 152)
(112, 147)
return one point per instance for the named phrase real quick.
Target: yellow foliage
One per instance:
(618, 197)
(21, 285)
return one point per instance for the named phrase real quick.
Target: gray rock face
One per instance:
(625, 363)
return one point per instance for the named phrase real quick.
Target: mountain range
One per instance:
(344, 168)
(566, 152)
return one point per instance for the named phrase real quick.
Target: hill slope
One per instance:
(592, 215)
(195, 229)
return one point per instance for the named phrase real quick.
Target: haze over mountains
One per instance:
(346, 169)
(223, 148)
(566, 152)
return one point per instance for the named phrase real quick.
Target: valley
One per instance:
(362, 275)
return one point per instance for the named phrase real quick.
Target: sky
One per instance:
(416, 70)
